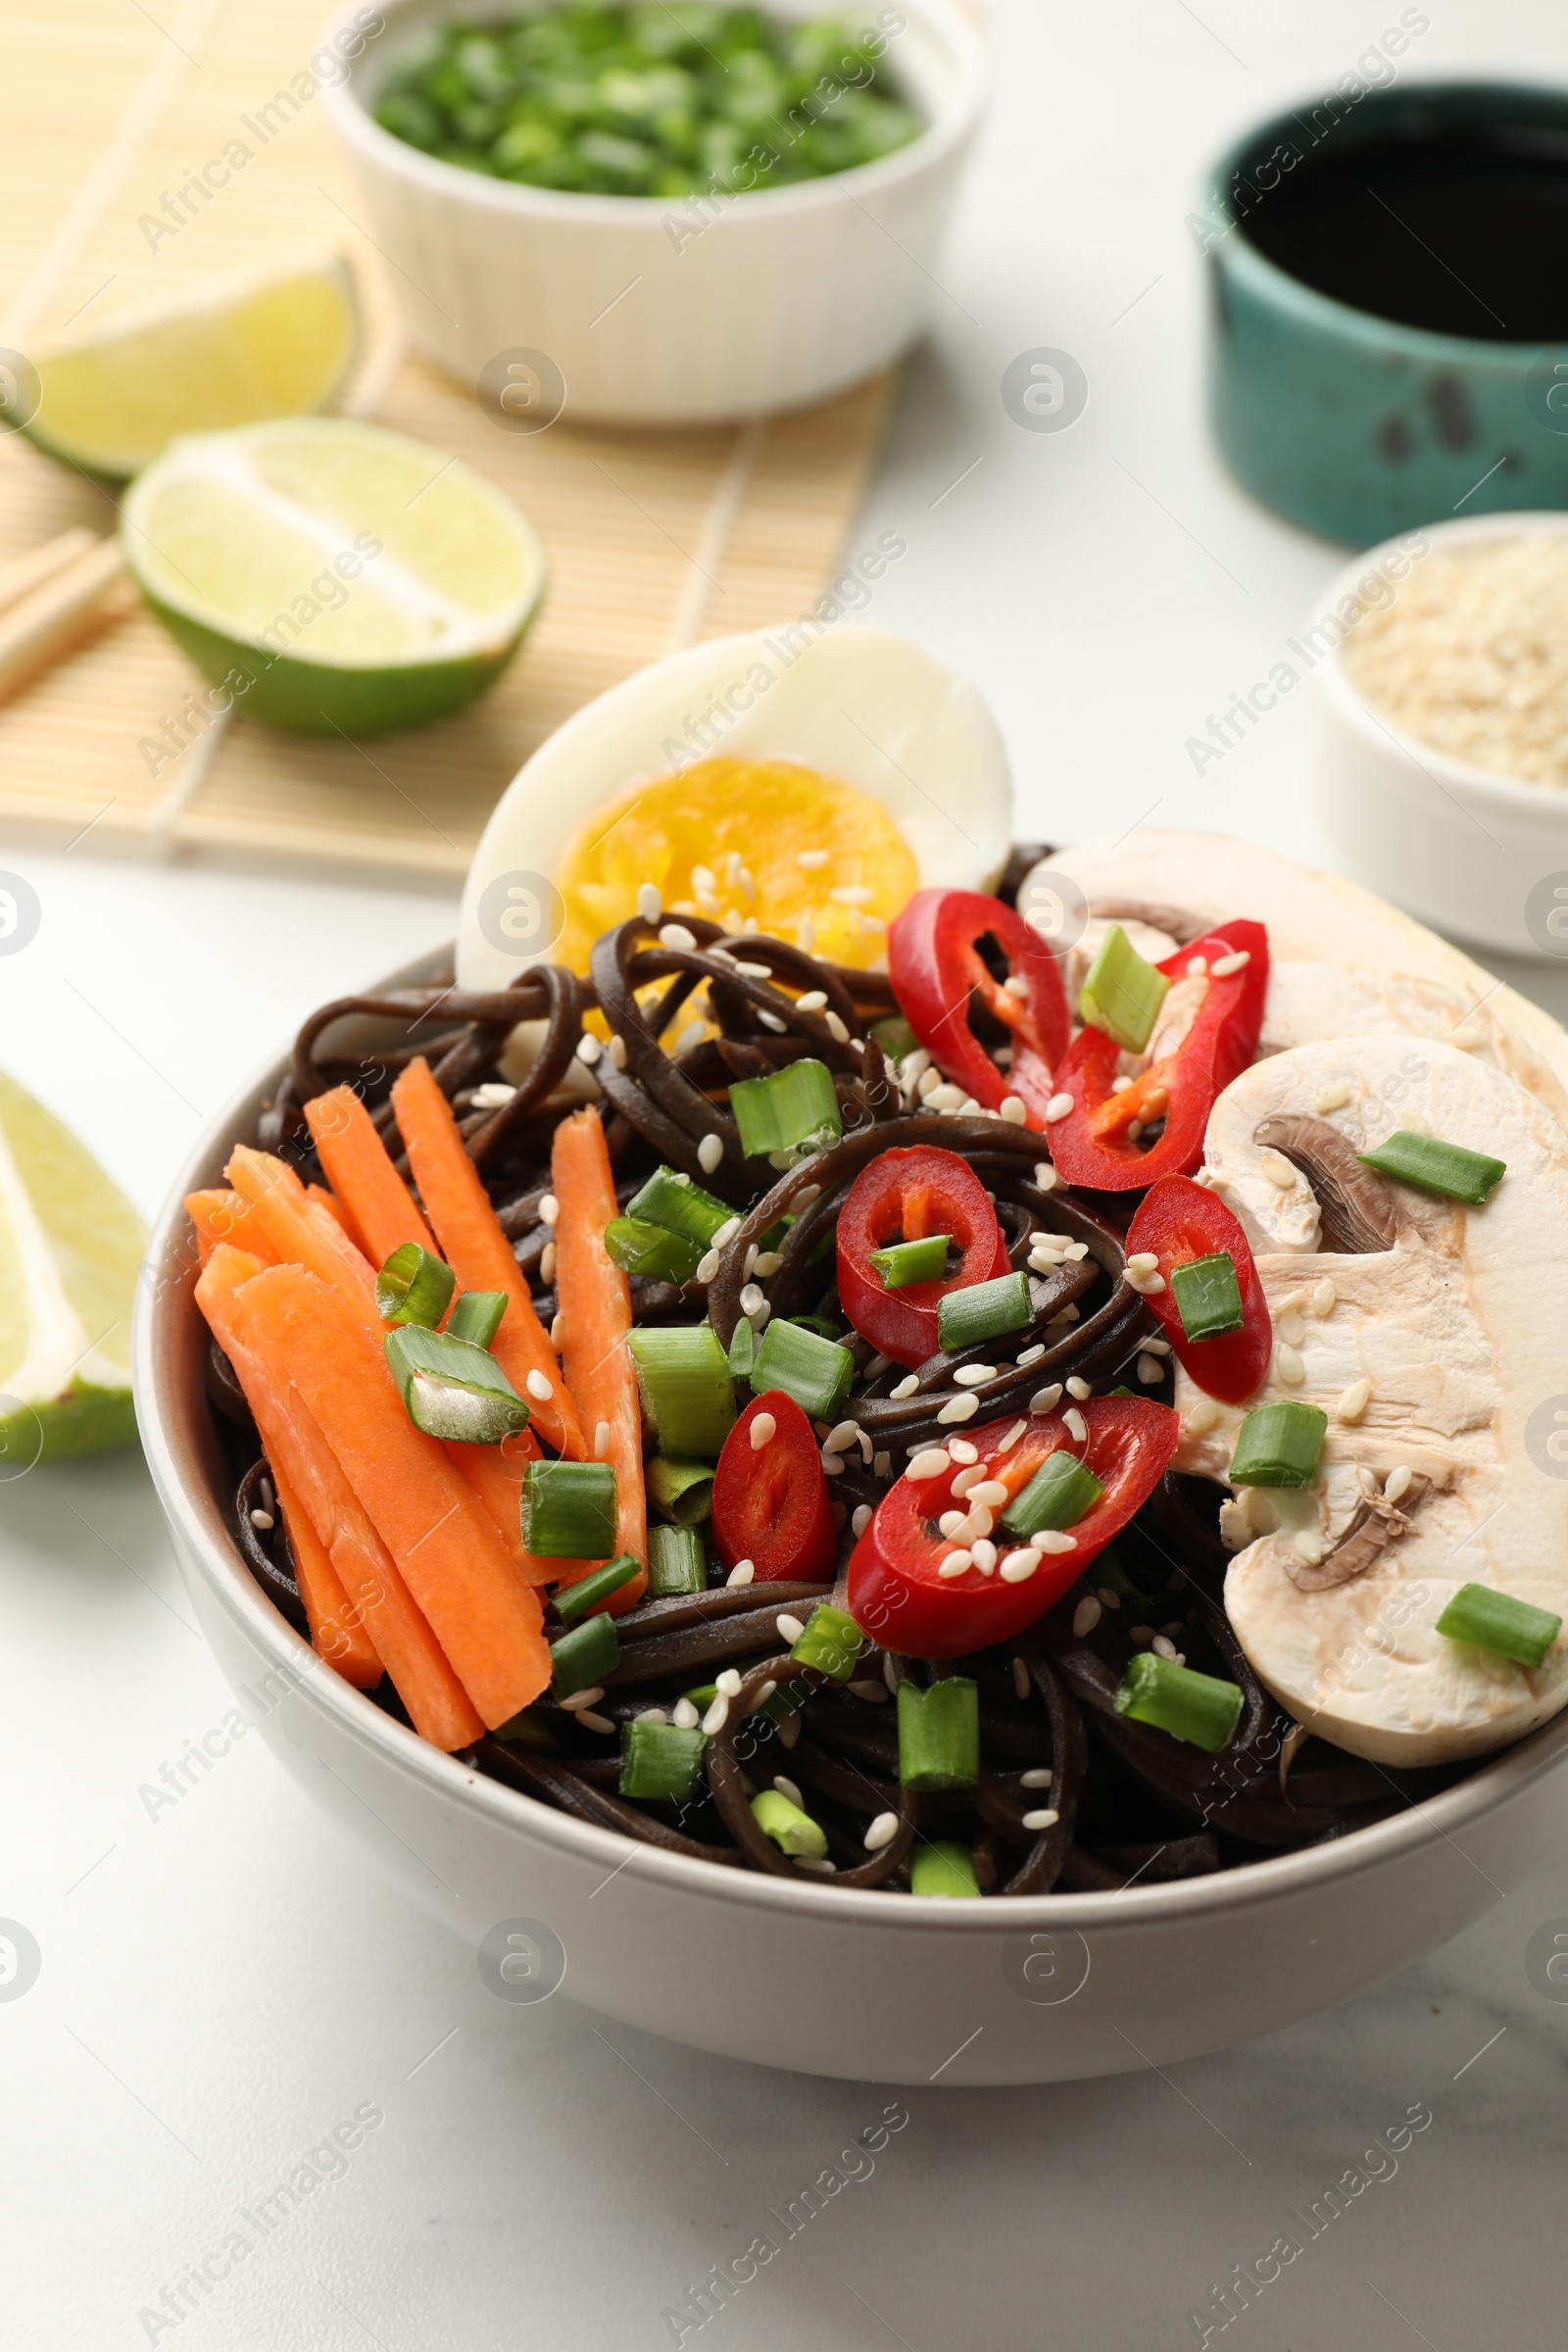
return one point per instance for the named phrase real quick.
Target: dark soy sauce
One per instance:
(1460, 230)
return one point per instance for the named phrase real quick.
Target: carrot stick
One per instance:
(481, 1611)
(221, 1216)
(479, 1253)
(360, 1170)
(437, 1703)
(337, 1212)
(337, 1632)
(596, 1316)
(297, 1229)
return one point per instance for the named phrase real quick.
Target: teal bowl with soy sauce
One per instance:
(1388, 322)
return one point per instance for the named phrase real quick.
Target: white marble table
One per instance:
(225, 1981)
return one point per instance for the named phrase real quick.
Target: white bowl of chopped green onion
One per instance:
(661, 215)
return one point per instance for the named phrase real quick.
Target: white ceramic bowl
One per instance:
(789, 294)
(863, 1985)
(1470, 852)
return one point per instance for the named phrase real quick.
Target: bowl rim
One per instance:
(1547, 803)
(1326, 311)
(956, 112)
(204, 1545)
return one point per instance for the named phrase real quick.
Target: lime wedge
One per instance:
(331, 575)
(71, 1248)
(223, 352)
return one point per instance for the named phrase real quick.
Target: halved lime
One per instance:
(330, 576)
(221, 352)
(71, 1248)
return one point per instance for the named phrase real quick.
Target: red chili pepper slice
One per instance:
(905, 1194)
(771, 1502)
(1179, 1221)
(896, 1597)
(936, 966)
(1090, 1144)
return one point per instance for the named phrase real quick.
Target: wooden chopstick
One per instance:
(55, 615)
(24, 574)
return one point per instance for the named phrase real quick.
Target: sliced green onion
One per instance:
(831, 1641)
(569, 1510)
(944, 1867)
(903, 1263)
(413, 1287)
(792, 1831)
(575, 1600)
(526, 1730)
(895, 1036)
(682, 1491)
(741, 1349)
(660, 1761)
(1122, 995)
(476, 1318)
(983, 1310)
(1109, 1573)
(1058, 1494)
(652, 1250)
(673, 1200)
(939, 1734)
(1208, 1295)
(788, 1114)
(814, 1371)
(584, 1656)
(1277, 1445)
(1488, 1620)
(676, 1562)
(1437, 1166)
(687, 1390)
(1196, 1708)
(452, 1391)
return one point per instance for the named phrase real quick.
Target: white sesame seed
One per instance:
(975, 1376)
(852, 893)
(875, 1695)
(752, 1297)
(1038, 1776)
(1278, 1169)
(1069, 1314)
(984, 1555)
(751, 927)
(651, 1715)
(1031, 1355)
(650, 906)
(843, 1434)
(961, 1451)
(709, 1152)
(832, 1464)
(1164, 1646)
(1324, 1297)
(861, 1519)
(1051, 1539)
(742, 1573)
(881, 1832)
(929, 1462)
(1143, 1261)
(589, 1048)
(1148, 1286)
(1016, 985)
(950, 1523)
(708, 1267)
(788, 1629)
(957, 1564)
(774, 1021)
(676, 935)
(690, 1035)
(959, 1408)
(1310, 1547)
(1057, 1109)
(684, 1715)
(549, 1209)
(718, 1715)
(594, 1723)
(1197, 967)
(1235, 961)
(601, 1441)
(987, 1492)
(908, 1385)
(882, 1465)
(584, 1697)
(813, 1001)
(1151, 1371)
(1288, 1365)
(788, 1729)
(1018, 1566)
(836, 1028)
(1046, 1400)
(1075, 1252)
(731, 1225)
(1106, 1597)
(1200, 1416)
(1014, 1111)
(1157, 1346)
(558, 1331)
(944, 1097)
(1078, 1388)
(1332, 1097)
(496, 1096)
(263, 1520)
(816, 1867)
(763, 1430)
(540, 1388)
(1399, 1481)
(1045, 1817)
(618, 1051)
(1076, 1423)
(1005, 1445)
(729, 1681)
(1045, 1176)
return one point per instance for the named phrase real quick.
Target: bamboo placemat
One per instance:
(655, 540)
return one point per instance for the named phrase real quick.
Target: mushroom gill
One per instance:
(1355, 1208)
(1374, 1527)
(1177, 922)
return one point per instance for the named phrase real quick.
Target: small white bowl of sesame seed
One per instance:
(1440, 664)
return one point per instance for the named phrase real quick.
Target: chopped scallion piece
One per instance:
(983, 1310)
(895, 1036)
(652, 1250)
(1113, 1577)
(792, 1831)
(526, 1730)
(1122, 993)
(476, 1318)
(814, 1371)
(569, 1510)
(413, 1287)
(1496, 1621)
(1277, 1445)
(939, 1734)
(686, 1386)
(945, 1867)
(584, 1656)
(660, 1762)
(741, 1349)
(575, 1600)
(1436, 1167)
(668, 1199)
(676, 1562)
(682, 1491)
(1208, 1295)
(831, 1641)
(1196, 1708)
(1057, 1496)
(903, 1263)
(788, 1114)
(452, 1391)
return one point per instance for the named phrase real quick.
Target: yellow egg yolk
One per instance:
(757, 845)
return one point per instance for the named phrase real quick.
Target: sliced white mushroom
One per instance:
(1455, 1333)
